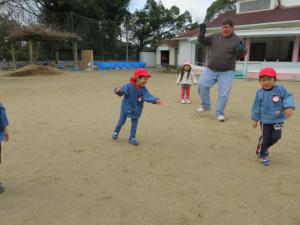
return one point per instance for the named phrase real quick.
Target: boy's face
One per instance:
(141, 81)
(267, 82)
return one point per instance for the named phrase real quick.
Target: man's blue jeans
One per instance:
(207, 80)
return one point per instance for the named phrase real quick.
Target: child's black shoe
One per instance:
(133, 141)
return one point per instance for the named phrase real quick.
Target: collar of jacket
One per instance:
(134, 84)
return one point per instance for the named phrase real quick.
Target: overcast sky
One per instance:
(197, 8)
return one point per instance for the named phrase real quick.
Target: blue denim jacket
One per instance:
(133, 100)
(3, 121)
(269, 105)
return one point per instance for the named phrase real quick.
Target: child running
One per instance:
(272, 105)
(4, 136)
(186, 78)
(135, 93)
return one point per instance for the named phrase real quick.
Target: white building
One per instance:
(270, 28)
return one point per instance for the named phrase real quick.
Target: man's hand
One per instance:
(202, 28)
(254, 124)
(288, 112)
(240, 46)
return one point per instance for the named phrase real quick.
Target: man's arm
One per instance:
(205, 40)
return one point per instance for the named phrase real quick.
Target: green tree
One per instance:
(98, 22)
(219, 7)
(154, 22)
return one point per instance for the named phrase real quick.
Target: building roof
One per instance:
(171, 43)
(40, 33)
(188, 34)
(279, 14)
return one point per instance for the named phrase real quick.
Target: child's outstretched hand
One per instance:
(288, 112)
(6, 135)
(158, 102)
(119, 91)
(254, 124)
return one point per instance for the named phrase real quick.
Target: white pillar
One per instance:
(296, 49)
(248, 44)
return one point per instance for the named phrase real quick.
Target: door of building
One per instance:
(165, 58)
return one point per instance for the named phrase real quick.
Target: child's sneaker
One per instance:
(133, 141)
(264, 161)
(182, 101)
(188, 101)
(115, 135)
(2, 189)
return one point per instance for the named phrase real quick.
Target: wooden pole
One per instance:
(57, 55)
(13, 55)
(30, 51)
(75, 56)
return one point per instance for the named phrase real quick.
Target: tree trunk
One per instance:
(75, 56)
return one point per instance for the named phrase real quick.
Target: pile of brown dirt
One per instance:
(35, 70)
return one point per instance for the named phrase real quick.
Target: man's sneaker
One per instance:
(201, 110)
(221, 118)
(182, 101)
(115, 135)
(264, 161)
(188, 101)
(133, 141)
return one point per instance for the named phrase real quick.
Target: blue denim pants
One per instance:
(121, 122)
(207, 80)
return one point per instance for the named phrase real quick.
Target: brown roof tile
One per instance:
(188, 34)
(278, 14)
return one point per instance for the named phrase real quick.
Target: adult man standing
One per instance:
(225, 47)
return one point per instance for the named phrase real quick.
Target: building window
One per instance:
(255, 5)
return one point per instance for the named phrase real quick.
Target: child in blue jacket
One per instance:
(4, 136)
(272, 105)
(135, 93)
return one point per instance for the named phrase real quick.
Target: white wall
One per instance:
(148, 58)
(290, 3)
(186, 51)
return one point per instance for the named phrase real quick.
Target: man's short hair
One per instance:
(228, 21)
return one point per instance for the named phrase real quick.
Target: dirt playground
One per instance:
(61, 166)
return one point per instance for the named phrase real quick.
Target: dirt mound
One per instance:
(34, 70)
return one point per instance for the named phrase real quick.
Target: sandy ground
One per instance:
(62, 168)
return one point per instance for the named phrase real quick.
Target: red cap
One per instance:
(140, 72)
(268, 71)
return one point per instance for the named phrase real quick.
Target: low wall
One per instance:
(285, 71)
(280, 76)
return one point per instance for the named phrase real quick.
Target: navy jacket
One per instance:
(133, 100)
(3, 121)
